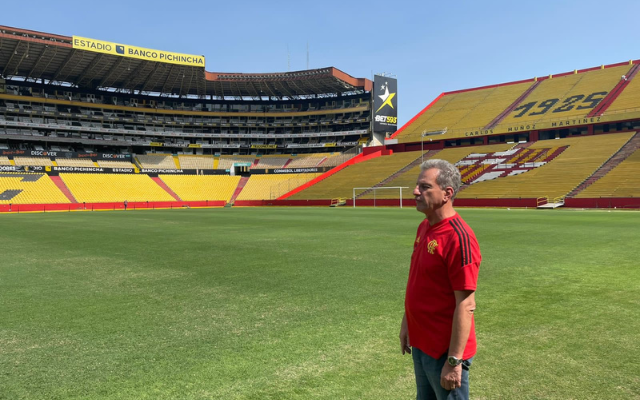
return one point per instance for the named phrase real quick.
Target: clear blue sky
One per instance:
(431, 46)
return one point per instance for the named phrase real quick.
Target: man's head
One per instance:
(437, 186)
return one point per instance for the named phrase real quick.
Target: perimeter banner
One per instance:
(385, 104)
(123, 50)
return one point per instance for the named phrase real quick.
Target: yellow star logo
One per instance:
(386, 98)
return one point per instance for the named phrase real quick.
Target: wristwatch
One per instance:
(454, 361)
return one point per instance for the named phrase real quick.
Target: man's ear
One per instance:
(448, 194)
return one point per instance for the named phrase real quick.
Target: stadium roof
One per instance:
(38, 55)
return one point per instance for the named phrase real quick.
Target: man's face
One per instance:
(429, 197)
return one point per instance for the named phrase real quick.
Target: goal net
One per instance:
(379, 193)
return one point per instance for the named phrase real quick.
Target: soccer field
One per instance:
(306, 303)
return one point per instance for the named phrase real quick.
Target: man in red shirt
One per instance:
(440, 301)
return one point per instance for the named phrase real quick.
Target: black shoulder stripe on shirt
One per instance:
(467, 240)
(463, 237)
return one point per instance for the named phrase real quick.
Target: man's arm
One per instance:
(404, 336)
(450, 378)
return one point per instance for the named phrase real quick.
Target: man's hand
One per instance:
(451, 377)
(405, 346)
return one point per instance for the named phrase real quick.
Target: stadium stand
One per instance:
(156, 161)
(75, 162)
(107, 188)
(196, 162)
(557, 178)
(35, 161)
(5, 161)
(409, 178)
(202, 187)
(363, 174)
(622, 181)
(628, 100)
(226, 162)
(26, 188)
(566, 96)
(271, 162)
(307, 161)
(115, 164)
(272, 186)
(464, 110)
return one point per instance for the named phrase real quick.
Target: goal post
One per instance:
(375, 189)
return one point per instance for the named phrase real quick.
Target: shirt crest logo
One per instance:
(431, 247)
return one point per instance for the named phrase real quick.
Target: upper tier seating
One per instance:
(566, 96)
(25, 188)
(622, 181)
(35, 161)
(464, 110)
(363, 174)
(5, 161)
(272, 186)
(629, 99)
(107, 188)
(75, 162)
(156, 161)
(409, 178)
(196, 162)
(558, 177)
(202, 187)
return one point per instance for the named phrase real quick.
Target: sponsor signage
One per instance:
(314, 170)
(141, 53)
(11, 168)
(385, 104)
(264, 146)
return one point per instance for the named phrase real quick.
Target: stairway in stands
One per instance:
(166, 188)
(401, 171)
(63, 188)
(625, 151)
(614, 93)
(512, 107)
(236, 193)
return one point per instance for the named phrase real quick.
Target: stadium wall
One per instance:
(151, 205)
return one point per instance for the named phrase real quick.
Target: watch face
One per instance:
(453, 361)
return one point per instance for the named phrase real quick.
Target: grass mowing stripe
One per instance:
(302, 303)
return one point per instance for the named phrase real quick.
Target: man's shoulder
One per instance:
(456, 226)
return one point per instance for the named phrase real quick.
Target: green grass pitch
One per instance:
(306, 303)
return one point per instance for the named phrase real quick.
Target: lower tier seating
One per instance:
(409, 178)
(269, 187)
(107, 188)
(202, 187)
(363, 174)
(557, 178)
(25, 188)
(622, 181)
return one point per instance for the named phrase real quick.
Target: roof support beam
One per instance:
(14, 52)
(96, 60)
(112, 71)
(149, 76)
(133, 75)
(63, 67)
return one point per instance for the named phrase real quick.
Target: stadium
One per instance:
(254, 234)
(93, 127)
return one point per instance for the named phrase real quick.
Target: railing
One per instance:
(540, 201)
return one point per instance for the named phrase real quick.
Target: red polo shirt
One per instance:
(446, 257)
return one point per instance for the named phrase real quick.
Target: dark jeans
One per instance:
(428, 371)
